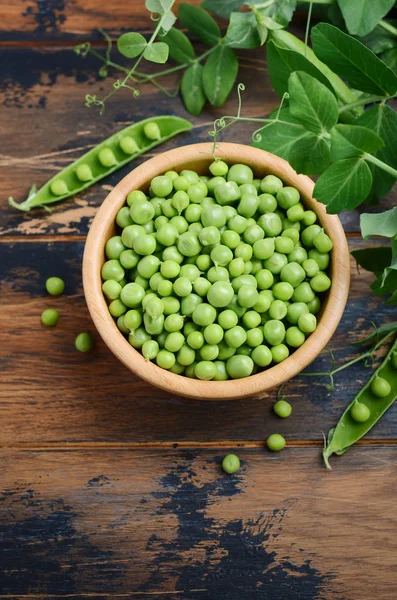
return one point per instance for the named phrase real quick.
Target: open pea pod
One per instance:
(110, 155)
(348, 431)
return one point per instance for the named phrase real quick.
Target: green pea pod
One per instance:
(347, 432)
(288, 41)
(110, 155)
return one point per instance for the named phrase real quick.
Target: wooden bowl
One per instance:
(198, 157)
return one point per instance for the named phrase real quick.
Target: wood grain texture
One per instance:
(65, 396)
(42, 93)
(170, 524)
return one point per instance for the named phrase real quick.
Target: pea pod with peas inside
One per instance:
(106, 157)
(366, 409)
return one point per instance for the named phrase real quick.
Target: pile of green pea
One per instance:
(216, 276)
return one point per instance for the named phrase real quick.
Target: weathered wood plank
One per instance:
(52, 393)
(170, 524)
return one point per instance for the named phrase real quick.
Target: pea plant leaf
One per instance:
(379, 40)
(361, 16)
(159, 6)
(353, 140)
(261, 28)
(310, 154)
(156, 52)
(179, 45)
(384, 224)
(280, 11)
(279, 135)
(242, 31)
(220, 72)
(344, 185)
(373, 259)
(383, 121)
(167, 22)
(282, 62)
(351, 60)
(222, 8)
(192, 89)
(390, 58)
(200, 23)
(131, 44)
(312, 103)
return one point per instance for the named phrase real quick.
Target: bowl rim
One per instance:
(254, 385)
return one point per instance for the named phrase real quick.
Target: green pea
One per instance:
(277, 310)
(230, 238)
(322, 243)
(322, 259)
(150, 349)
(359, 412)
(380, 387)
(294, 337)
(307, 323)
(128, 145)
(209, 352)
(247, 296)
(220, 294)
(235, 337)
(188, 244)
(186, 356)
(309, 218)
(296, 213)
(204, 314)
(309, 234)
(239, 366)
(303, 293)
(221, 373)
(84, 173)
(287, 197)
(55, 285)
(231, 464)
(123, 218)
(320, 282)
(261, 356)
(135, 195)
(152, 131)
(236, 267)
(121, 326)
(165, 359)
(117, 308)
(197, 191)
(225, 351)
(275, 442)
(49, 317)
(298, 255)
(171, 305)
(253, 234)
(282, 409)
(144, 245)
(227, 319)
(271, 224)
(106, 157)
(275, 263)
(251, 319)
(283, 291)
(218, 168)
(59, 187)
(248, 204)
(227, 192)
(271, 184)
(204, 262)
(189, 371)
(141, 211)
(132, 319)
(205, 370)
(144, 283)
(254, 337)
(267, 204)
(237, 223)
(83, 342)
(111, 289)
(172, 253)
(201, 286)
(274, 332)
(279, 353)
(114, 247)
(195, 340)
(213, 334)
(311, 267)
(132, 294)
(182, 286)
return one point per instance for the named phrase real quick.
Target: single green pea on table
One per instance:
(55, 286)
(236, 260)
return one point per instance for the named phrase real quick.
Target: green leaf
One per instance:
(279, 137)
(384, 224)
(156, 52)
(390, 58)
(373, 259)
(310, 155)
(282, 62)
(222, 8)
(344, 185)
(242, 31)
(386, 285)
(350, 59)
(131, 44)
(378, 333)
(353, 140)
(383, 121)
(281, 10)
(220, 72)
(271, 24)
(380, 40)
(261, 28)
(312, 103)
(198, 22)
(361, 16)
(192, 89)
(179, 46)
(167, 22)
(159, 6)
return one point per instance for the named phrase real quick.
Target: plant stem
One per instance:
(319, 1)
(363, 102)
(109, 63)
(387, 27)
(367, 354)
(379, 163)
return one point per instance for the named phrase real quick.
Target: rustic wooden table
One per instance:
(111, 488)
